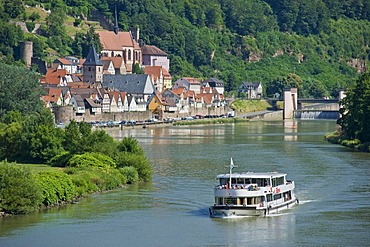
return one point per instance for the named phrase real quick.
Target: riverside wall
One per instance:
(65, 114)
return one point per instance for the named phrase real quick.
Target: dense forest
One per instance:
(312, 44)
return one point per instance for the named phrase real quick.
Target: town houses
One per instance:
(104, 87)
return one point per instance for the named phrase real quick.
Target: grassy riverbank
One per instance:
(336, 138)
(211, 121)
(25, 188)
(245, 106)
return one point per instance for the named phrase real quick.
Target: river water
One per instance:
(332, 185)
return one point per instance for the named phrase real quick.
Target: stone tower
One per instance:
(290, 102)
(92, 67)
(26, 52)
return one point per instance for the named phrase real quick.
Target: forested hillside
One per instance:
(311, 44)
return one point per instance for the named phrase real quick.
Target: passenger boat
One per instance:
(252, 194)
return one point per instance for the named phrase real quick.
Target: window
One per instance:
(277, 196)
(231, 201)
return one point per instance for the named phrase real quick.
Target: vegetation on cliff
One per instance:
(318, 40)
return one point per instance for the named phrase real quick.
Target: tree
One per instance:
(83, 42)
(19, 90)
(356, 110)
(279, 84)
(14, 8)
(72, 139)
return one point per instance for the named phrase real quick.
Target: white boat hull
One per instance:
(225, 211)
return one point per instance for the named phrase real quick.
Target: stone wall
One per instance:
(64, 114)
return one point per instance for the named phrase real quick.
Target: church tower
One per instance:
(92, 67)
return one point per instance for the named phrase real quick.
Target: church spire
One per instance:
(92, 58)
(115, 20)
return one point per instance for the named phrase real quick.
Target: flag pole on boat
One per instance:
(231, 168)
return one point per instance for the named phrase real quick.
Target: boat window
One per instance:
(240, 180)
(277, 181)
(223, 181)
(254, 181)
(231, 200)
(269, 197)
(277, 196)
(247, 181)
(233, 181)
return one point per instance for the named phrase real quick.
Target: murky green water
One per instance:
(332, 184)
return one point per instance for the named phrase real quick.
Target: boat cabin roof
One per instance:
(252, 175)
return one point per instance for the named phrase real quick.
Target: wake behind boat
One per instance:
(252, 194)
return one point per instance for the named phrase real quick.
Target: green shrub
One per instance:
(60, 160)
(130, 173)
(83, 183)
(140, 162)
(95, 179)
(91, 160)
(57, 187)
(19, 191)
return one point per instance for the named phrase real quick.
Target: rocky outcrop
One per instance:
(358, 64)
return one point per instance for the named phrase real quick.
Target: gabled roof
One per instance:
(84, 92)
(178, 91)
(117, 61)
(130, 83)
(213, 82)
(115, 42)
(123, 96)
(153, 71)
(52, 94)
(254, 84)
(79, 84)
(92, 103)
(165, 73)
(115, 95)
(207, 97)
(106, 64)
(79, 100)
(191, 80)
(152, 50)
(53, 75)
(92, 58)
(62, 61)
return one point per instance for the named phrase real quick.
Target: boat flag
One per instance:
(231, 163)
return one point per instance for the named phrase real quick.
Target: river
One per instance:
(332, 185)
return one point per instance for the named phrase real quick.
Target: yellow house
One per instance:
(156, 105)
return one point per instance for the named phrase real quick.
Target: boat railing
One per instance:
(250, 187)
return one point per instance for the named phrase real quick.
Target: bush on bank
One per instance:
(23, 191)
(336, 138)
(20, 193)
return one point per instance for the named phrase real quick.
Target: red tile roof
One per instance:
(117, 61)
(53, 75)
(115, 42)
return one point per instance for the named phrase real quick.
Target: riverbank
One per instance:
(336, 138)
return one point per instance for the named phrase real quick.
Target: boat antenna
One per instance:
(231, 168)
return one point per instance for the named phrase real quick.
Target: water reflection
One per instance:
(258, 230)
(331, 182)
(290, 130)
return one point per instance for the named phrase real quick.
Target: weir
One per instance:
(316, 114)
(320, 108)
